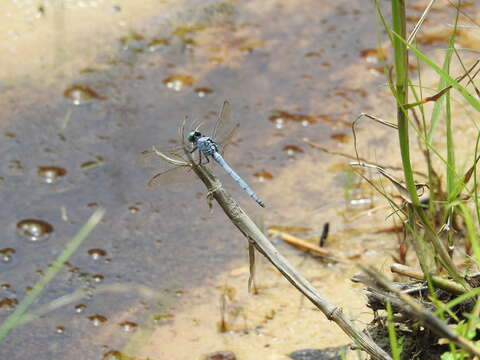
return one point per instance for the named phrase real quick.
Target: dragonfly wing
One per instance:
(224, 129)
(228, 139)
(173, 175)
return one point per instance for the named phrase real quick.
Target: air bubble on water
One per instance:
(291, 150)
(34, 230)
(6, 255)
(178, 82)
(8, 303)
(96, 254)
(203, 91)
(98, 278)
(262, 176)
(279, 123)
(97, 319)
(133, 209)
(79, 94)
(80, 308)
(128, 326)
(51, 174)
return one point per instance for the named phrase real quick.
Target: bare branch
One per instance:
(256, 237)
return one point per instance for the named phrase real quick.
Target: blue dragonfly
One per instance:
(207, 147)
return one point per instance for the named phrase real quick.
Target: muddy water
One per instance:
(88, 85)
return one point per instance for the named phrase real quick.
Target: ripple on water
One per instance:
(50, 174)
(34, 230)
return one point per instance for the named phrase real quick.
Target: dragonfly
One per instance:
(207, 147)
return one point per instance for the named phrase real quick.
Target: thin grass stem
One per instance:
(52, 271)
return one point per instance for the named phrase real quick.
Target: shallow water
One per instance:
(88, 85)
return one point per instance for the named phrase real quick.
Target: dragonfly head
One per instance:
(193, 136)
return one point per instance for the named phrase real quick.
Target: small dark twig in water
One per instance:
(323, 237)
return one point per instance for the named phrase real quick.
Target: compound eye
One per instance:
(193, 135)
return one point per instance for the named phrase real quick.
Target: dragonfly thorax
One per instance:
(206, 145)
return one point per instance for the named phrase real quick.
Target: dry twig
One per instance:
(442, 283)
(255, 237)
(424, 315)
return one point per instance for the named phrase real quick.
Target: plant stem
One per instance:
(401, 95)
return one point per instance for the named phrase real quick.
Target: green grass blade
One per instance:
(471, 231)
(437, 107)
(401, 93)
(457, 301)
(450, 81)
(475, 182)
(392, 336)
(451, 174)
(52, 271)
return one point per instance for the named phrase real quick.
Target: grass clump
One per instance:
(442, 227)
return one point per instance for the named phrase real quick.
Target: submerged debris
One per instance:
(220, 355)
(330, 353)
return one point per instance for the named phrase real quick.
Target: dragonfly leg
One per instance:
(194, 149)
(199, 158)
(208, 160)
